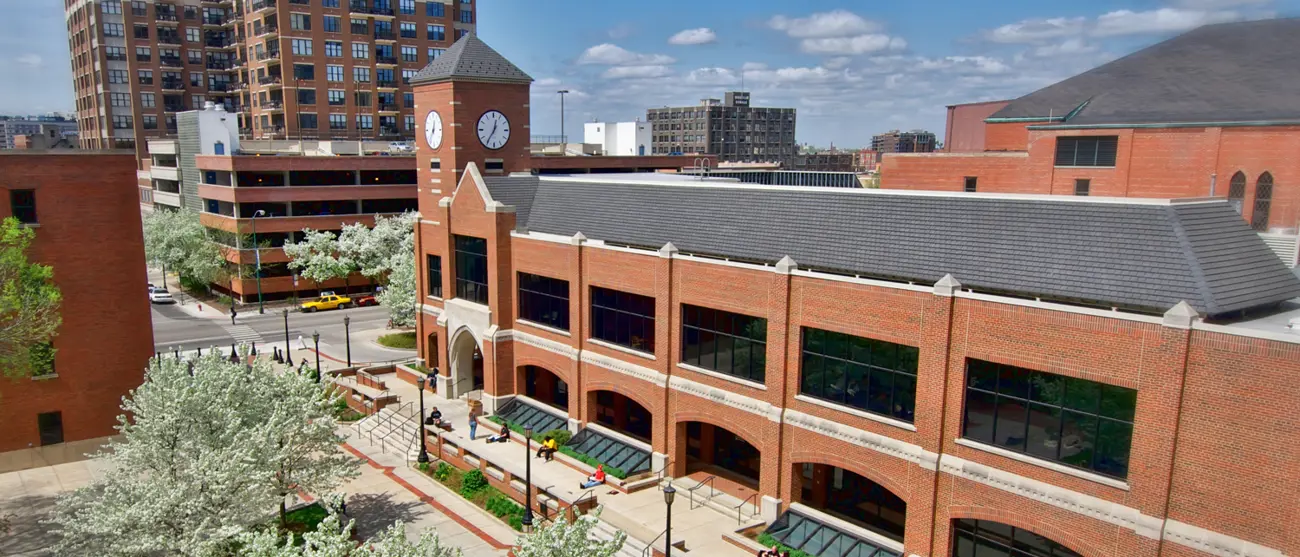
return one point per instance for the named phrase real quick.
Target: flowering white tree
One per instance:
(400, 297)
(386, 252)
(178, 241)
(562, 539)
(333, 539)
(318, 257)
(203, 458)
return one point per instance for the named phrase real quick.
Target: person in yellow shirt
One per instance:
(548, 448)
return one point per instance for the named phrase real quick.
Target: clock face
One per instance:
(493, 129)
(433, 129)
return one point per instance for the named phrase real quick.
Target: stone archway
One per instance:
(465, 364)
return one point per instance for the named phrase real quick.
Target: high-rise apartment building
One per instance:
(12, 126)
(329, 69)
(730, 128)
(894, 141)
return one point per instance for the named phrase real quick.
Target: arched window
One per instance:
(1237, 191)
(983, 538)
(1263, 199)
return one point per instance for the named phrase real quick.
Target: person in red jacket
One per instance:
(595, 479)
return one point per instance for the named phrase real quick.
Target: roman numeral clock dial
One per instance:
(493, 129)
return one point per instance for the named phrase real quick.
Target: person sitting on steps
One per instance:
(501, 437)
(597, 478)
(548, 448)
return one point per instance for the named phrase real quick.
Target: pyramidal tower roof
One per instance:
(471, 59)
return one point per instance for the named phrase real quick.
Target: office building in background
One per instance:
(730, 128)
(894, 141)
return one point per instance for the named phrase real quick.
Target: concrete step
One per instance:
(722, 502)
(632, 547)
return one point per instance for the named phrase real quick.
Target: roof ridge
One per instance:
(471, 59)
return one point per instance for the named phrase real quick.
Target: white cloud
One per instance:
(837, 23)
(30, 60)
(613, 55)
(837, 62)
(546, 82)
(637, 72)
(1035, 30)
(703, 35)
(620, 31)
(1068, 47)
(1163, 20)
(862, 44)
(1217, 4)
(754, 66)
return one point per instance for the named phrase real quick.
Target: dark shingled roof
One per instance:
(1229, 72)
(1143, 256)
(471, 59)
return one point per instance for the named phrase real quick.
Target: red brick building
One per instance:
(964, 131)
(87, 220)
(1202, 114)
(891, 373)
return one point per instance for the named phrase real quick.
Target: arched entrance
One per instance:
(984, 538)
(620, 413)
(707, 449)
(851, 497)
(466, 364)
(542, 385)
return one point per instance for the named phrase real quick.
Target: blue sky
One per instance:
(852, 69)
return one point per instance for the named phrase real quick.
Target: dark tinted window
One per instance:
(544, 300)
(471, 269)
(725, 342)
(1076, 422)
(1081, 186)
(971, 183)
(22, 205)
(623, 319)
(982, 538)
(1086, 151)
(51, 427)
(433, 270)
(868, 374)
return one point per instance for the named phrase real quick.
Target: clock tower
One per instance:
(471, 105)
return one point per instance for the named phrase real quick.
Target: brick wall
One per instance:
(89, 214)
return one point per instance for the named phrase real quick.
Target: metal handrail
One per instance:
(589, 494)
(753, 496)
(387, 420)
(712, 491)
(663, 469)
(649, 548)
(383, 442)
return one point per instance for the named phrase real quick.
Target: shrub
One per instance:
(473, 482)
(610, 470)
(423, 467)
(561, 435)
(500, 505)
(442, 472)
(517, 522)
(767, 540)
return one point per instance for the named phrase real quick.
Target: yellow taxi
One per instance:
(327, 302)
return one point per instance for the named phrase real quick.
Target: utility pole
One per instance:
(563, 138)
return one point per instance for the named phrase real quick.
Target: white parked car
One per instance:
(401, 147)
(160, 296)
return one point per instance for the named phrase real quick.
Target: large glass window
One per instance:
(724, 342)
(982, 538)
(1086, 151)
(623, 319)
(471, 269)
(868, 374)
(544, 300)
(1076, 422)
(433, 269)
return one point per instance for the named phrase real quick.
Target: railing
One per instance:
(165, 17)
(383, 441)
(383, 421)
(753, 496)
(169, 39)
(712, 492)
(215, 20)
(263, 4)
(170, 61)
(268, 80)
(272, 105)
(589, 494)
(220, 65)
(386, 59)
(265, 30)
(220, 87)
(385, 35)
(385, 83)
(388, 107)
(663, 469)
(268, 55)
(173, 84)
(219, 43)
(649, 547)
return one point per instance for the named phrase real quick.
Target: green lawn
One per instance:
(404, 341)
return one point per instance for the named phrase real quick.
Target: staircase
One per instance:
(632, 547)
(393, 430)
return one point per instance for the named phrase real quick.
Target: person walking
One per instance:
(473, 426)
(233, 313)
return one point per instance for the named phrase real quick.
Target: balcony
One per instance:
(386, 84)
(174, 108)
(389, 107)
(173, 85)
(169, 38)
(269, 81)
(170, 61)
(223, 87)
(386, 60)
(220, 43)
(265, 30)
(221, 65)
(382, 35)
(116, 57)
(166, 18)
(260, 5)
(362, 8)
(272, 106)
(302, 2)
(270, 55)
(216, 21)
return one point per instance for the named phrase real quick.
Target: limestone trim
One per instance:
(1113, 314)
(629, 369)
(546, 328)
(1214, 543)
(431, 310)
(858, 437)
(855, 412)
(725, 397)
(862, 281)
(1238, 330)
(718, 261)
(1073, 501)
(623, 349)
(1098, 478)
(722, 376)
(543, 343)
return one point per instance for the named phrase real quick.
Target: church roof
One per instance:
(471, 59)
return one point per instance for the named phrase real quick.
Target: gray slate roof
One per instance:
(471, 59)
(1143, 257)
(1228, 72)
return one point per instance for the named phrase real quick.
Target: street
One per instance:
(173, 328)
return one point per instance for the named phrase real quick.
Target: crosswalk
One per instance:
(242, 333)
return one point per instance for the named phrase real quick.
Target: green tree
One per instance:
(178, 241)
(30, 303)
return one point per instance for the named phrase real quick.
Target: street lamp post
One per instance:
(670, 493)
(527, 521)
(424, 453)
(287, 357)
(315, 338)
(563, 138)
(347, 335)
(257, 257)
